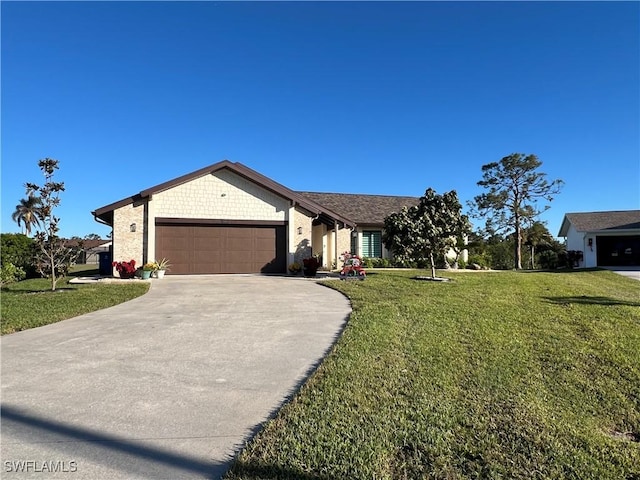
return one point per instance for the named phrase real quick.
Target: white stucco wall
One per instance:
(590, 253)
(578, 241)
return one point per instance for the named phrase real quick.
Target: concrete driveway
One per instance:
(168, 385)
(630, 272)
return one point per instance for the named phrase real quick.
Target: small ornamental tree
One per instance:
(419, 233)
(52, 258)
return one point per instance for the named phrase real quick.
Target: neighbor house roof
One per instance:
(362, 209)
(105, 214)
(87, 244)
(599, 221)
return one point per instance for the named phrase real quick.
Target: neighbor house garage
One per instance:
(606, 239)
(228, 218)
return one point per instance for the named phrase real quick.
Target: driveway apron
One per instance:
(168, 385)
(630, 272)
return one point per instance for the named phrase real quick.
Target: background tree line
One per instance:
(516, 194)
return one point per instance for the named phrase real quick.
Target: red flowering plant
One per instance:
(125, 269)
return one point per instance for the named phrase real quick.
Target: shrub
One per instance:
(478, 260)
(9, 273)
(379, 263)
(570, 258)
(548, 259)
(19, 250)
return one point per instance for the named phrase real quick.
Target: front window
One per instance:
(372, 244)
(354, 243)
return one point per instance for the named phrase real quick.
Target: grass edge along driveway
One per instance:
(31, 303)
(493, 375)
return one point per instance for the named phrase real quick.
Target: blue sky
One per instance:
(363, 97)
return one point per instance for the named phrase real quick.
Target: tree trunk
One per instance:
(533, 257)
(518, 242)
(53, 274)
(433, 265)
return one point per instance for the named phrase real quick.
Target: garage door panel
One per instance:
(200, 268)
(265, 234)
(201, 249)
(264, 245)
(208, 244)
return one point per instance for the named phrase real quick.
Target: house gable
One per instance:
(222, 194)
(255, 180)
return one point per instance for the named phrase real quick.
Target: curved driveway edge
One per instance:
(168, 385)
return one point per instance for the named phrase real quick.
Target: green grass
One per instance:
(494, 375)
(84, 270)
(31, 303)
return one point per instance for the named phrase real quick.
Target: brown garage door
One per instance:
(199, 249)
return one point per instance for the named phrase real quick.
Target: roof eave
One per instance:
(564, 228)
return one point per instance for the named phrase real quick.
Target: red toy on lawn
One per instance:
(352, 268)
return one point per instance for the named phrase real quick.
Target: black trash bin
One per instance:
(104, 259)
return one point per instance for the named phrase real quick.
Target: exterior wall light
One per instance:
(299, 230)
(132, 227)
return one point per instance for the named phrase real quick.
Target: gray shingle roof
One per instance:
(362, 209)
(596, 221)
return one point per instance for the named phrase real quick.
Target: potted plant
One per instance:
(125, 269)
(294, 268)
(147, 269)
(163, 266)
(311, 266)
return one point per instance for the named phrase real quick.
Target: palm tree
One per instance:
(537, 235)
(28, 212)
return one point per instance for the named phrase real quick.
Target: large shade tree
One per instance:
(27, 213)
(515, 189)
(418, 234)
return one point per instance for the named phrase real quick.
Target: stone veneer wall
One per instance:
(128, 245)
(222, 195)
(302, 243)
(344, 243)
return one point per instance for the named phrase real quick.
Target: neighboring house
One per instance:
(228, 218)
(90, 249)
(606, 239)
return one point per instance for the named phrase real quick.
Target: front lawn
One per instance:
(31, 303)
(494, 375)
